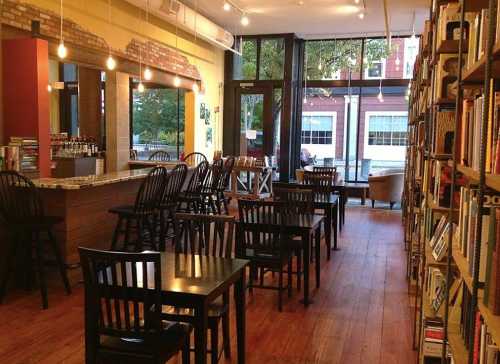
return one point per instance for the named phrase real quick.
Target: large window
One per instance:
(158, 121)
(261, 59)
(386, 128)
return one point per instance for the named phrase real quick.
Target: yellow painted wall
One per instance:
(128, 22)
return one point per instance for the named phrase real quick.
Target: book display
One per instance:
(452, 185)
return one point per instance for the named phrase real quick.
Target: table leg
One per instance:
(239, 295)
(345, 199)
(336, 219)
(328, 231)
(306, 261)
(318, 254)
(363, 196)
(200, 333)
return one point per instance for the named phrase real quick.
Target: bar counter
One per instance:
(84, 202)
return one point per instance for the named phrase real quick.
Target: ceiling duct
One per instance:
(188, 20)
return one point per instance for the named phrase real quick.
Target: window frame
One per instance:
(383, 63)
(406, 58)
(333, 115)
(369, 114)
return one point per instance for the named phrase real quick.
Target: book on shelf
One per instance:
(444, 128)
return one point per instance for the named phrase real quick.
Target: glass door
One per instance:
(257, 134)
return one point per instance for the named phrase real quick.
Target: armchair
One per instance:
(386, 186)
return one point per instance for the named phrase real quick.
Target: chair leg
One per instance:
(280, 289)
(226, 338)
(373, 204)
(60, 261)
(186, 355)
(299, 270)
(116, 233)
(290, 276)
(41, 272)
(214, 342)
(10, 267)
(392, 204)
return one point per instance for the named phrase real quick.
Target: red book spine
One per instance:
(494, 299)
(477, 338)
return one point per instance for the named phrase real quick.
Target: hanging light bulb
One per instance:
(49, 88)
(140, 87)
(244, 20)
(111, 63)
(196, 88)
(62, 51)
(320, 66)
(148, 75)
(227, 6)
(305, 99)
(177, 81)
(361, 14)
(380, 96)
(356, 1)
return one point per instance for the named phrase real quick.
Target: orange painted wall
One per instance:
(25, 76)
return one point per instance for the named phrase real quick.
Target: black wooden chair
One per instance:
(225, 178)
(195, 158)
(264, 243)
(190, 199)
(169, 200)
(140, 217)
(161, 156)
(209, 235)
(22, 214)
(123, 322)
(210, 185)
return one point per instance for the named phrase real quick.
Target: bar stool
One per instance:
(141, 216)
(22, 213)
(168, 204)
(190, 199)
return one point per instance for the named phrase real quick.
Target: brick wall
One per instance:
(19, 15)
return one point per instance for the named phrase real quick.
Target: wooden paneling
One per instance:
(87, 221)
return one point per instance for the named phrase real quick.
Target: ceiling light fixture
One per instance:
(244, 20)
(227, 6)
(140, 86)
(62, 52)
(380, 95)
(148, 74)
(110, 62)
(177, 80)
(362, 10)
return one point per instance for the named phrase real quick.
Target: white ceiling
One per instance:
(316, 18)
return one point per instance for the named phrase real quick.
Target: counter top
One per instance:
(76, 183)
(165, 164)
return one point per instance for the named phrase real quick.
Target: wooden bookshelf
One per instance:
(450, 47)
(463, 266)
(475, 73)
(456, 343)
(492, 321)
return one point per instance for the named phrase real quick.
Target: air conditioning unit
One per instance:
(171, 6)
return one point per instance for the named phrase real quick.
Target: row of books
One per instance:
(485, 350)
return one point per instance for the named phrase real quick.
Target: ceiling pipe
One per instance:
(188, 20)
(387, 29)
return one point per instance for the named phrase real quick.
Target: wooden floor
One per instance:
(360, 314)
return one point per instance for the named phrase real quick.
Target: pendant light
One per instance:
(320, 66)
(226, 6)
(397, 62)
(177, 80)
(380, 95)
(148, 74)
(305, 76)
(110, 62)
(195, 86)
(244, 20)
(140, 86)
(62, 51)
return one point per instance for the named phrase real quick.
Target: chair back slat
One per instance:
(322, 183)
(297, 199)
(19, 198)
(258, 231)
(161, 156)
(195, 158)
(213, 177)
(174, 183)
(209, 235)
(122, 293)
(150, 192)
(195, 183)
(225, 176)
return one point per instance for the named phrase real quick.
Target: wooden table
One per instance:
(258, 185)
(358, 190)
(304, 225)
(194, 281)
(331, 205)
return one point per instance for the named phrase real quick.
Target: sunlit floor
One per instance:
(360, 314)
